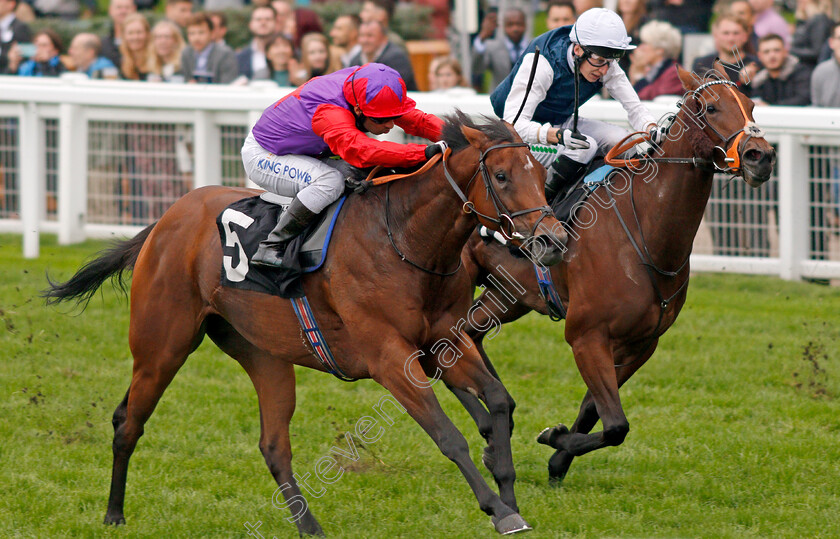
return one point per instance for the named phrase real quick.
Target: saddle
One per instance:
(243, 224)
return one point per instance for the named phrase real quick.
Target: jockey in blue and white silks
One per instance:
(595, 42)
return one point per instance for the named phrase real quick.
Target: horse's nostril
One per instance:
(753, 155)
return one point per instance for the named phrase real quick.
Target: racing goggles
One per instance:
(601, 56)
(383, 121)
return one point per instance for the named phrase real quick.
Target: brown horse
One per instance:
(384, 318)
(623, 280)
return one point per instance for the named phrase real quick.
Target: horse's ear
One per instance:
(475, 137)
(689, 80)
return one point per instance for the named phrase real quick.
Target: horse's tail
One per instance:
(111, 263)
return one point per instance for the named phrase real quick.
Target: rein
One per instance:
(504, 217)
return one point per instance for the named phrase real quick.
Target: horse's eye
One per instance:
(500, 177)
(710, 109)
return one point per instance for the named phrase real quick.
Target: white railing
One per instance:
(83, 158)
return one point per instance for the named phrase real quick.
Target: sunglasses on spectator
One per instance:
(383, 121)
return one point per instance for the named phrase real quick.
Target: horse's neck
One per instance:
(670, 204)
(427, 219)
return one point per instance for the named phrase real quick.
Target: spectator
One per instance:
(305, 21)
(165, 58)
(382, 11)
(64, 9)
(584, 5)
(730, 35)
(316, 58)
(251, 60)
(560, 13)
(440, 17)
(742, 9)
(46, 61)
(220, 27)
(85, 51)
(345, 35)
(499, 55)
(825, 81)
(768, 21)
(285, 12)
(179, 12)
(653, 64)
(118, 10)
(447, 76)
(813, 26)
(280, 53)
(688, 17)
(204, 61)
(12, 31)
(135, 46)
(784, 80)
(375, 47)
(634, 15)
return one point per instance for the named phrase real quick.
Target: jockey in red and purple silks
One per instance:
(331, 115)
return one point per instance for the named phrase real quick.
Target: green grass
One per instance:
(735, 428)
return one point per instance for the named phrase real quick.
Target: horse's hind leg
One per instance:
(274, 381)
(160, 346)
(561, 460)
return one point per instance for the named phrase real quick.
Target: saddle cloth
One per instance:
(246, 222)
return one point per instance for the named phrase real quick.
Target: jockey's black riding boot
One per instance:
(291, 223)
(562, 174)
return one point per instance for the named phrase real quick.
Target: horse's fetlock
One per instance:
(616, 434)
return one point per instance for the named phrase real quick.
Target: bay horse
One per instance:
(377, 312)
(624, 277)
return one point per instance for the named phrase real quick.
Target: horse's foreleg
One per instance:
(469, 376)
(496, 309)
(409, 385)
(561, 460)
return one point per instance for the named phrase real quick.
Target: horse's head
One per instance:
(725, 115)
(504, 185)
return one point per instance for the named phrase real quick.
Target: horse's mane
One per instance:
(494, 128)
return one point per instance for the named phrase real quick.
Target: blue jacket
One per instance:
(559, 102)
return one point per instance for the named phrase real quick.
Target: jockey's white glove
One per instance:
(437, 147)
(657, 134)
(573, 143)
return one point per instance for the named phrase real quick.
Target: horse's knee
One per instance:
(497, 398)
(615, 434)
(454, 446)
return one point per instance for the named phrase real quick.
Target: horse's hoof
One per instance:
(551, 435)
(513, 523)
(489, 459)
(116, 520)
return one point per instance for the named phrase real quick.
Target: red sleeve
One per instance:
(337, 126)
(420, 124)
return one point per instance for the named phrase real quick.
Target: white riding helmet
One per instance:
(601, 31)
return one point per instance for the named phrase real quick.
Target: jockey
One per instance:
(592, 45)
(331, 115)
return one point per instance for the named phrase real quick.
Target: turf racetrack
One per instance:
(734, 428)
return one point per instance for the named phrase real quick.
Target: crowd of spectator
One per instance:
(775, 61)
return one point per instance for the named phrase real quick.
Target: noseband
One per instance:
(504, 217)
(731, 148)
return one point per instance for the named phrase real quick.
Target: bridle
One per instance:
(504, 217)
(732, 154)
(730, 147)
